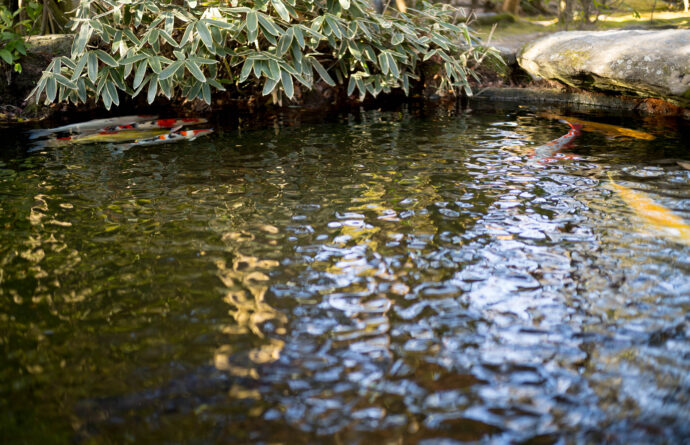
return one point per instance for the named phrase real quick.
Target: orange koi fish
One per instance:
(93, 125)
(159, 123)
(174, 136)
(653, 214)
(544, 153)
(608, 129)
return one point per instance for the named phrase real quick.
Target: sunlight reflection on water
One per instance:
(387, 277)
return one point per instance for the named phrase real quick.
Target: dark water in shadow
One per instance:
(389, 276)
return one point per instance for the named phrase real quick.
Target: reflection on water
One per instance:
(394, 276)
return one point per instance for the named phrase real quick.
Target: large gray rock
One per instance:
(633, 62)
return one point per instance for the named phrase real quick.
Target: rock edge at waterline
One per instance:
(633, 62)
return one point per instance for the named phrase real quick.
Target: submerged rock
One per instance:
(634, 62)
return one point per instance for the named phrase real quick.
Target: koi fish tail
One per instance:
(40, 145)
(40, 133)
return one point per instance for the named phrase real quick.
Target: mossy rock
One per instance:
(634, 62)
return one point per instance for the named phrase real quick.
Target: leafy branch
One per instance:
(189, 49)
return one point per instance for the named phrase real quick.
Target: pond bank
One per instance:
(519, 81)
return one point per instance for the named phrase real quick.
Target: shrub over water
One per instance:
(188, 48)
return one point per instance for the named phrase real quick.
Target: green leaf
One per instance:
(205, 35)
(101, 82)
(6, 56)
(397, 38)
(119, 80)
(153, 36)
(165, 87)
(193, 68)
(168, 38)
(430, 54)
(107, 58)
(290, 69)
(259, 68)
(171, 69)
(369, 52)
(82, 39)
(215, 84)
(383, 63)
(153, 89)
(252, 36)
(351, 86)
(288, 86)
(354, 50)
(298, 35)
(38, 89)
(282, 11)
(297, 58)
(219, 23)
(155, 64)
(20, 48)
(92, 66)
(187, 34)
(269, 86)
(246, 69)
(81, 89)
(141, 86)
(206, 92)
(112, 91)
(107, 101)
(252, 21)
(268, 25)
(322, 72)
(130, 35)
(51, 89)
(284, 43)
(139, 75)
(194, 91)
(134, 59)
(62, 80)
(273, 70)
(334, 25)
(202, 60)
(360, 86)
(393, 65)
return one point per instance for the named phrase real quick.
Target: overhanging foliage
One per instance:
(188, 48)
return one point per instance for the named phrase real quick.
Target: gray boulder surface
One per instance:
(631, 62)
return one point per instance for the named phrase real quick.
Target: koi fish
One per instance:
(654, 214)
(543, 153)
(101, 136)
(174, 136)
(608, 129)
(92, 125)
(159, 123)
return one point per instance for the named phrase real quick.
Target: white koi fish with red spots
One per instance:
(174, 136)
(90, 126)
(158, 123)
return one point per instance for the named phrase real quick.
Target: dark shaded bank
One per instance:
(499, 83)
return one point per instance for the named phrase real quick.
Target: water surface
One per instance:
(382, 276)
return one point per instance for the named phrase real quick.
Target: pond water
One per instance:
(393, 276)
